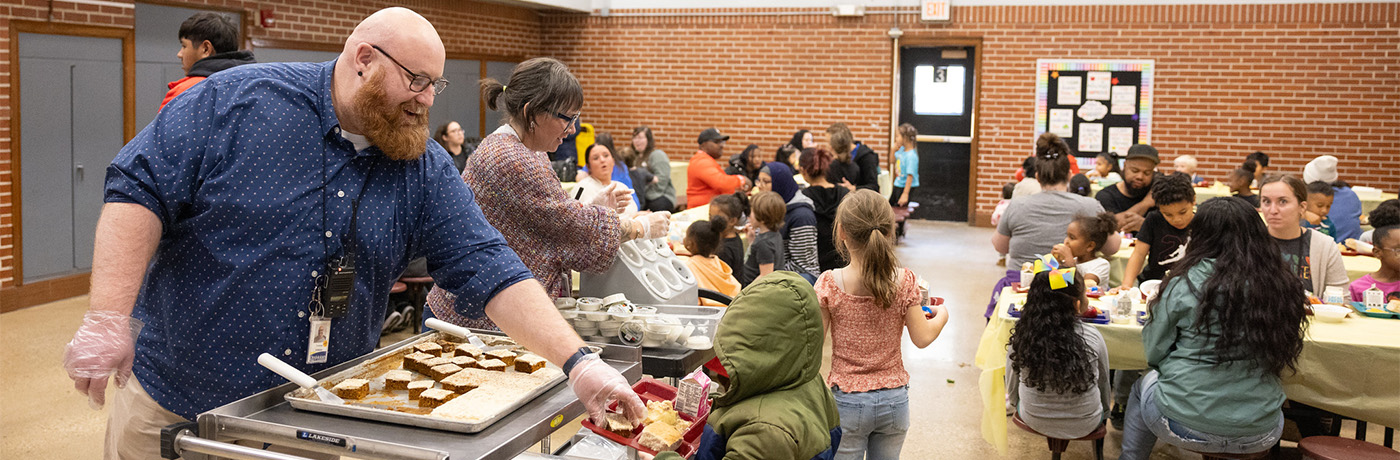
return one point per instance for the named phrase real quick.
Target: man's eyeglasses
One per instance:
(571, 120)
(417, 82)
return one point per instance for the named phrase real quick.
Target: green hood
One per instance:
(770, 343)
(770, 338)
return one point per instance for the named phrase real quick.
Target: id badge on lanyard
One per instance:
(318, 342)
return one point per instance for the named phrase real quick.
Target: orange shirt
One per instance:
(177, 87)
(713, 274)
(705, 180)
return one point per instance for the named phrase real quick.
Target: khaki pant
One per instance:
(133, 429)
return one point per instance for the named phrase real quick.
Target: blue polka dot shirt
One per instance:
(253, 184)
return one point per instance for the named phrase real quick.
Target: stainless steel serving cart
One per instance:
(268, 418)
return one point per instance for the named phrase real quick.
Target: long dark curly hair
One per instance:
(1252, 298)
(1046, 346)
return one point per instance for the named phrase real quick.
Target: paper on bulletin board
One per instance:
(1062, 122)
(1098, 87)
(1092, 111)
(1068, 90)
(1090, 137)
(1124, 100)
(1119, 140)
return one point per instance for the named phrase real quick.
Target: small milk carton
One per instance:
(693, 394)
(1374, 297)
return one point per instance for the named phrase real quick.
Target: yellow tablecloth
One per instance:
(1357, 266)
(1350, 368)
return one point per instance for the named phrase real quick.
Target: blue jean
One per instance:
(1144, 423)
(873, 423)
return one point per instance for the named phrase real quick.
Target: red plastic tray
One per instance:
(652, 390)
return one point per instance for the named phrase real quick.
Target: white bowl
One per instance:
(1149, 288)
(596, 315)
(583, 323)
(585, 330)
(1329, 313)
(565, 303)
(568, 314)
(589, 303)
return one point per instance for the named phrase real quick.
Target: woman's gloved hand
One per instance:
(596, 383)
(614, 197)
(102, 347)
(655, 225)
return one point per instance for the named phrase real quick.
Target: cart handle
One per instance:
(186, 441)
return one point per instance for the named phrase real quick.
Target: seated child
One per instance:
(1162, 239)
(1319, 203)
(1106, 169)
(1384, 215)
(1387, 242)
(1006, 191)
(1160, 243)
(702, 240)
(1186, 164)
(1080, 185)
(1057, 365)
(1239, 181)
(766, 251)
(733, 208)
(771, 400)
(1084, 237)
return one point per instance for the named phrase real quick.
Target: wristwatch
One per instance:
(574, 359)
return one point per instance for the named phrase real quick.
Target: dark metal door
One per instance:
(936, 96)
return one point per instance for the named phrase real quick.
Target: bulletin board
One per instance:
(1095, 105)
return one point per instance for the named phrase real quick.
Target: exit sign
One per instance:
(934, 11)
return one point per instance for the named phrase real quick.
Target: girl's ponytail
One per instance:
(866, 221)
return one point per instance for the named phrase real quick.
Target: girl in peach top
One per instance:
(702, 239)
(865, 305)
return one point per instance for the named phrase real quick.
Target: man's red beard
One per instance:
(397, 133)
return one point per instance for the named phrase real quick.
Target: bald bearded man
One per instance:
(225, 215)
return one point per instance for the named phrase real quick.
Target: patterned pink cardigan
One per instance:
(520, 195)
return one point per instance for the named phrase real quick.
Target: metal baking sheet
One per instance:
(398, 408)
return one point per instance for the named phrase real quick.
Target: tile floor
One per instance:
(42, 417)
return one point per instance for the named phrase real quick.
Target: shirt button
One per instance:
(287, 352)
(314, 274)
(329, 234)
(340, 194)
(301, 314)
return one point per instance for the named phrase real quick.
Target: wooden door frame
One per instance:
(22, 294)
(977, 47)
(243, 14)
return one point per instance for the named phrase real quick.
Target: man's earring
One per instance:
(360, 74)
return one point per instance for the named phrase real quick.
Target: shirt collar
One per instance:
(326, 105)
(508, 129)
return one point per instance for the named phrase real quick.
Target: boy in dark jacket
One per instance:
(208, 44)
(772, 402)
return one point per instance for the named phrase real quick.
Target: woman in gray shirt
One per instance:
(1032, 225)
(660, 195)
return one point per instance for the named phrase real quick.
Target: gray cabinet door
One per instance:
(70, 129)
(461, 101)
(501, 72)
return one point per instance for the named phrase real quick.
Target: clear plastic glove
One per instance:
(595, 383)
(102, 347)
(655, 225)
(614, 197)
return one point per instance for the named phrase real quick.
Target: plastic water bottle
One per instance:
(1123, 311)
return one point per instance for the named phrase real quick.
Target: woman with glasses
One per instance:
(521, 197)
(451, 137)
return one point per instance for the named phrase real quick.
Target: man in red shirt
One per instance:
(705, 179)
(208, 44)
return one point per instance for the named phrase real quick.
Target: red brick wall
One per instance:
(466, 27)
(1295, 81)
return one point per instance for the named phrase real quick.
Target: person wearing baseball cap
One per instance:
(1129, 200)
(705, 179)
(1346, 206)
